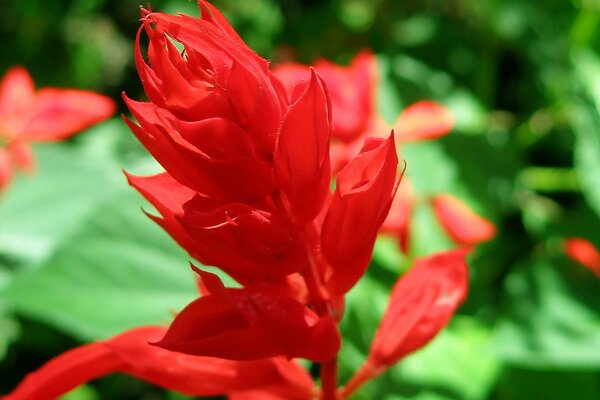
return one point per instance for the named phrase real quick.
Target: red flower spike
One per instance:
(360, 203)
(584, 252)
(46, 115)
(301, 160)
(130, 353)
(421, 304)
(244, 324)
(423, 120)
(398, 220)
(462, 225)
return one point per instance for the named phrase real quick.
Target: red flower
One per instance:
(130, 353)
(49, 114)
(421, 304)
(584, 252)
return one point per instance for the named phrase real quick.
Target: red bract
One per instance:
(130, 353)
(49, 114)
(363, 196)
(247, 324)
(421, 304)
(460, 222)
(302, 157)
(584, 252)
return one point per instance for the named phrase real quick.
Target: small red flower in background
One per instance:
(584, 252)
(353, 90)
(48, 114)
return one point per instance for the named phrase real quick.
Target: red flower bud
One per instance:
(364, 192)
(421, 304)
(302, 156)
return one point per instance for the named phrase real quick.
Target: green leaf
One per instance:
(586, 124)
(552, 318)
(37, 212)
(118, 270)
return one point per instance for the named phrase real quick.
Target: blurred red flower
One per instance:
(48, 114)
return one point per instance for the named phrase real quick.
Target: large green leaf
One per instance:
(117, 271)
(552, 318)
(586, 124)
(37, 212)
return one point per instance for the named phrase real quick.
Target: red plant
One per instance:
(246, 188)
(49, 114)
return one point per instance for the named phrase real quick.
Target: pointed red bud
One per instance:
(302, 155)
(363, 196)
(421, 304)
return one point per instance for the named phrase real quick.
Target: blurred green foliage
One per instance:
(78, 260)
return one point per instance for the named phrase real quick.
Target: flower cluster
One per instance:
(247, 189)
(352, 90)
(49, 114)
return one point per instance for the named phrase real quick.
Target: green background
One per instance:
(79, 260)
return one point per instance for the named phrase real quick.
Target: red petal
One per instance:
(584, 252)
(250, 244)
(130, 353)
(240, 74)
(361, 201)
(302, 156)
(17, 92)
(421, 304)
(460, 222)
(298, 385)
(422, 121)
(241, 324)
(168, 196)
(60, 113)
